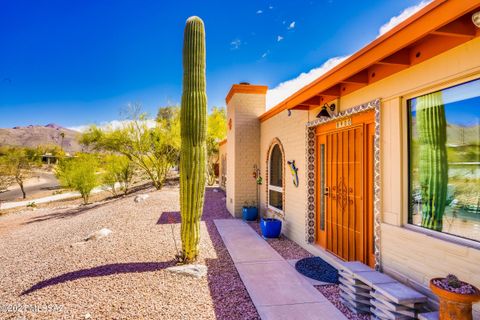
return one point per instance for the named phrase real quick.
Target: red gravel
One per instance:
(121, 276)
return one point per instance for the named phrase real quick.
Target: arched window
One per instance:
(275, 180)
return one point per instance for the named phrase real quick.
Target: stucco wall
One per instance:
(243, 149)
(290, 131)
(405, 253)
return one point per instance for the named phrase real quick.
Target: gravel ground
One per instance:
(44, 269)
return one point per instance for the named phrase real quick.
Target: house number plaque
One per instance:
(344, 123)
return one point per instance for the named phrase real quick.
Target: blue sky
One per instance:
(79, 62)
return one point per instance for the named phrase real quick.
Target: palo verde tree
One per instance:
(216, 131)
(193, 119)
(152, 149)
(18, 164)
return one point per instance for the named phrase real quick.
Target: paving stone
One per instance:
(351, 280)
(355, 288)
(385, 315)
(428, 316)
(354, 266)
(399, 293)
(372, 278)
(397, 310)
(276, 283)
(384, 299)
(355, 300)
(300, 312)
(356, 310)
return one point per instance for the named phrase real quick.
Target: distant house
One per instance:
(379, 180)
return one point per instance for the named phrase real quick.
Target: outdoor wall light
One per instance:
(324, 112)
(476, 19)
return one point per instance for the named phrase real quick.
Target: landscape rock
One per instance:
(102, 233)
(141, 197)
(193, 270)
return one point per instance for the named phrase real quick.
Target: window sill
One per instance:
(444, 236)
(276, 211)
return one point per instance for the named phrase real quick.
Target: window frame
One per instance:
(406, 166)
(272, 187)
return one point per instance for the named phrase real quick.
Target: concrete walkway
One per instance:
(277, 290)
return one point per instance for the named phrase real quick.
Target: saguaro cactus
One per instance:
(193, 116)
(433, 166)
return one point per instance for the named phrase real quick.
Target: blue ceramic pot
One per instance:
(270, 227)
(249, 213)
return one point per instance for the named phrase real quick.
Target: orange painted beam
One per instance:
(401, 57)
(359, 78)
(459, 28)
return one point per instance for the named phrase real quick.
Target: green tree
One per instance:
(216, 131)
(18, 164)
(79, 174)
(118, 169)
(154, 150)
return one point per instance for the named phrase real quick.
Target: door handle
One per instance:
(327, 192)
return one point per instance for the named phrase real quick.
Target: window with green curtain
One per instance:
(444, 160)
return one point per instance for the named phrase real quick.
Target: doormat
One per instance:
(316, 268)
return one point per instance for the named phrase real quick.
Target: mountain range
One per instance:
(38, 135)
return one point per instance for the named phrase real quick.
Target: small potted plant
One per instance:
(249, 211)
(271, 227)
(455, 296)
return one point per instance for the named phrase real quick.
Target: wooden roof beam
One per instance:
(332, 91)
(313, 101)
(301, 107)
(462, 27)
(359, 78)
(401, 58)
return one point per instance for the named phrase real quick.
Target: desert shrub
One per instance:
(118, 169)
(79, 174)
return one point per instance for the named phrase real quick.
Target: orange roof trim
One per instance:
(221, 143)
(439, 26)
(245, 88)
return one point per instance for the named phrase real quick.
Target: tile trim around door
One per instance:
(310, 170)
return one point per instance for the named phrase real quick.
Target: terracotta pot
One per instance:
(454, 306)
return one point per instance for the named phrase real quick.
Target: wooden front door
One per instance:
(345, 187)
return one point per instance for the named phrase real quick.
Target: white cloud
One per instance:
(259, 12)
(291, 25)
(235, 44)
(287, 88)
(111, 125)
(408, 12)
(265, 54)
(270, 7)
